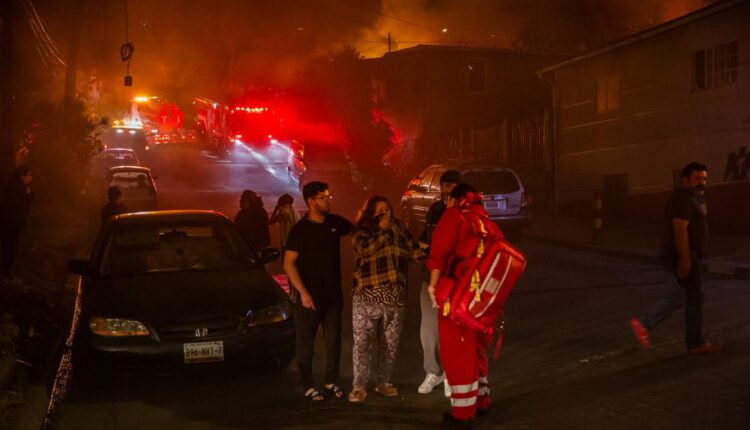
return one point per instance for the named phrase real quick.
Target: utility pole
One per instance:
(8, 12)
(389, 43)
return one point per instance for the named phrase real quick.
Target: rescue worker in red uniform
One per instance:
(463, 351)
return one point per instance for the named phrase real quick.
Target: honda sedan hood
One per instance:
(183, 295)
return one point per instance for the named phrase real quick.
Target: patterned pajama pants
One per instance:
(376, 327)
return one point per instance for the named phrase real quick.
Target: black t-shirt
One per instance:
(319, 260)
(434, 213)
(684, 205)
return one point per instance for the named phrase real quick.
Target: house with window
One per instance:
(469, 103)
(629, 115)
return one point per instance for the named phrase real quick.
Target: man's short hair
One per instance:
(688, 170)
(450, 177)
(311, 189)
(113, 193)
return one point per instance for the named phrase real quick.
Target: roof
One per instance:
(648, 33)
(129, 169)
(469, 165)
(168, 216)
(469, 49)
(118, 150)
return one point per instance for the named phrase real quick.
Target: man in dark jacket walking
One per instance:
(114, 206)
(252, 221)
(683, 251)
(14, 209)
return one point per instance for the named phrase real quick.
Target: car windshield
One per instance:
(119, 158)
(132, 183)
(171, 247)
(492, 182)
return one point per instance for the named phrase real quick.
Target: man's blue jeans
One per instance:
(673, 300)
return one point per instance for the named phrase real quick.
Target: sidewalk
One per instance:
(727, 255)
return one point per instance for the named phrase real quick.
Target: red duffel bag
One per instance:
(482, 283)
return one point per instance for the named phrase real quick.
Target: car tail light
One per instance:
(525, 200)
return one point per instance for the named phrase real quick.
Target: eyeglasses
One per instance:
(326, 197)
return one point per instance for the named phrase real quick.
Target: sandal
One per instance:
(312, 394)
(357, 395)
(334, 390)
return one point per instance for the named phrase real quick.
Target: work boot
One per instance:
(452, 422)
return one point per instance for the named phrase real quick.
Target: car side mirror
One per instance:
(269, 254)
(78, 266)
(154, 177)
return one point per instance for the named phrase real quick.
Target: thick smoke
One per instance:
(220, 48)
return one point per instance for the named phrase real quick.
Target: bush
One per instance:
(61, 141)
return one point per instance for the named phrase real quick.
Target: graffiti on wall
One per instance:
(738, 165)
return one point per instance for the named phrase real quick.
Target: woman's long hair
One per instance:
(367, 220)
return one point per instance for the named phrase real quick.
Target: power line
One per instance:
(45, 45)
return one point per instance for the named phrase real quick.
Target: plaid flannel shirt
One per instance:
(380, 262)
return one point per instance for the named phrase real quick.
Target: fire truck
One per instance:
(162, 121)
(211, 123)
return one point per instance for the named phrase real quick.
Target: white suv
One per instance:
(504, 194)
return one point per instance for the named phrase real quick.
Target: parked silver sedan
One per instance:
(137, 185)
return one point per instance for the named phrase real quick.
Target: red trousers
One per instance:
(463, 353)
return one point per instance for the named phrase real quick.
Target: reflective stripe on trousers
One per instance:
(462, 403)
(484, 389)
(465, 389)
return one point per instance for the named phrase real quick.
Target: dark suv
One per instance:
(504, 194)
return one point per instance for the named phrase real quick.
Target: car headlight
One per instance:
(117, 327)
(269, 315)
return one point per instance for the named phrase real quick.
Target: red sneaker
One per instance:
(640, 332)
(706, 348)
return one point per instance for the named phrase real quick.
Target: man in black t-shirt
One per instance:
(683, 251)
(312, 261)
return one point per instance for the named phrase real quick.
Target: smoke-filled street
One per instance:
(375, 214)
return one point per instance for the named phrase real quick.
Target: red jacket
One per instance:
(453, 237)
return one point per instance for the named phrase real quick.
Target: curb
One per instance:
(724, 269)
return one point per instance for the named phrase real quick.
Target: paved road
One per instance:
(568, 360)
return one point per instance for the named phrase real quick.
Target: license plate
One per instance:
(496, 204)
(203, 352)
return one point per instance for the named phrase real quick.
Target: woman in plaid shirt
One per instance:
(382, 249)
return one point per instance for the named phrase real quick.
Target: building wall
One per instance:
(662, 122)
(426, 93)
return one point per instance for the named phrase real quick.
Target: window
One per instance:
(426, 180)
(477, 73)
(715, 67)
(492, 182)
(435, 185)
(608, 94)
